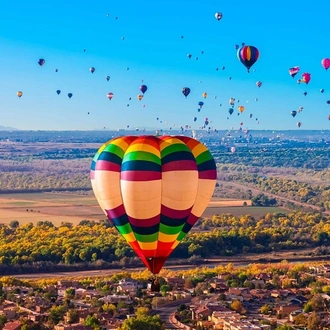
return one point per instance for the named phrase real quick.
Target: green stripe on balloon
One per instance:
(181, 236)
(142, 155)
(177, 147)
(147, 238)
(125, 229)
(170, 230)
(203, 157)
(115, 150)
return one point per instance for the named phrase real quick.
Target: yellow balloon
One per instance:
(204, 95)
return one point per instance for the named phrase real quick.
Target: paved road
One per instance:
(166, 311)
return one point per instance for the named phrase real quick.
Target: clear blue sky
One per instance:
(287, 33)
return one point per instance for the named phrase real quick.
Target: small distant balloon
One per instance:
(70, 95)
(322, 90)
(293, 71)
(92, 69)
(143, 88)
(110, 96)
(326, 63)
(58, 92)
(185, 91)
(107, 78)
(218, 16)
(189, 56)
(41, 61)
(56, 70)
(248, 55)
(19, 93)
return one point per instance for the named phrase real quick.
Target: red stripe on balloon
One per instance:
(145, 222)
(103, 165)
(192, 219)
(191, 143)
(140, 175)
(116, 212)
(174, 214)
(208, 175)
(180, 165)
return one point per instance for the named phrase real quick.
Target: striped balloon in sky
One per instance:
(153, 190)
(248, 55)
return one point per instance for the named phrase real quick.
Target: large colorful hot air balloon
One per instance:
(19, 93)
(185, 91)
(326, 63)
(153, 190)
(248, 55)
(143, 88)
(293, 71)
(110, 96)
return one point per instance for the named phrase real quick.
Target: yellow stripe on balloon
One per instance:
(167, 238)
(130, 237)
(248, 53)
(144, 147)
(175, 244)
(199, 149)
(165, 143)
(121, 143)
(148, 245)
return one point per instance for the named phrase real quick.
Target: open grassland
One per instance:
(69, 207)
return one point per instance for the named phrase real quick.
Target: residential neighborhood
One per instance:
(223, 301)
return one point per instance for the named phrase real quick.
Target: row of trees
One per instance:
(97, 242)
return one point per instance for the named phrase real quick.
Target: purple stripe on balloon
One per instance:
(103, 165)
(208, 175)
(145, 222)
(140, 175)
(116, 212)
(174, 214)
(180, 165)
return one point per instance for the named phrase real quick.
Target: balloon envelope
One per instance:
(326, 63)
(153, 190)
(248, 55)
(293, 71)
(19, 93)
(143, 88)
(41, 61)
(185, 91)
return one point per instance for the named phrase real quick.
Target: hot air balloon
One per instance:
(231, 101)
(328, 102)
(322, 90)
(241, 108)
(206, 122)
(218, 16)
(153, 190)
(92, 69)
(259, 83)
(305, 93)
(204, 95)
(232, 149)
(248, 55)
(185, 91)
(231, 110)
(236, 47)
(189, 56)
(19, 93)
(58, 92)
(140, 97)
(107, 78)
(200, 104)
(306, 78)
(110, 96)
(41, 61)
(329, 117)
(56, 70)
(251, 115)
(326, 63)
(299, 124)
(300, 109)
(70, 95)
(293, 71)
(143, 88)
(195, 118)
(293, 113)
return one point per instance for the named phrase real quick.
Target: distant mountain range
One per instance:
(5, 128)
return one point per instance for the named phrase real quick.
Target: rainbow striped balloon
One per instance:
(153, 190)
(248, 55)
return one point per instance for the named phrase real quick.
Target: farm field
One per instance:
(69, 207)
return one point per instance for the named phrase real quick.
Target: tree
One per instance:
(70, 293)
(164, 289)
(313, 322)
(56, 314)
(284, 327)
(236, 306)
(265, 309)
(143, 323)
(73, 316)
(14, 224)
(92, 321)
(3, 320)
